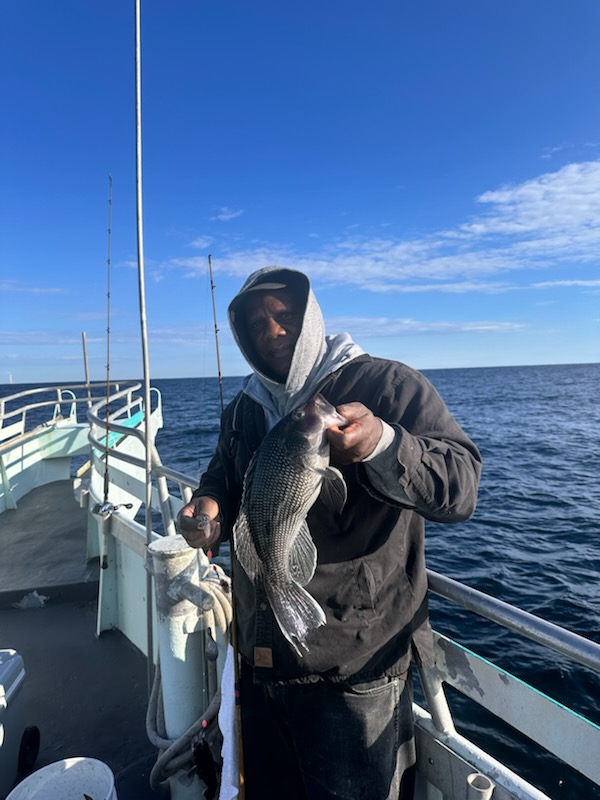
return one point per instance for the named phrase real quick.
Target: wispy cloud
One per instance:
(491, 287)
(225, 214)
(17, 286)
(594, 284)
(551, 221)
(185, 335)
(385, 327)
(38, 338)
(549, 152)
(201, 242)
(557, 208)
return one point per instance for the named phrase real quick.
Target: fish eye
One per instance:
(299, 413)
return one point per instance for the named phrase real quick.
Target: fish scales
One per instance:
(271, 536)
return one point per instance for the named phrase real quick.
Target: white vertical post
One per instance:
(436, 699)
(182, 662)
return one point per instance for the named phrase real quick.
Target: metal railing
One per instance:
(565, 734)
(538, 630)
(13, 420)
(108, 423)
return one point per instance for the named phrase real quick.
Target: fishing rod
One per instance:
(233, 628)
(212, 293)
(144, 332)
(86, 368)
(106, 508)
(107, 417)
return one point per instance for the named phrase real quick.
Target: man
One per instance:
(336, 721)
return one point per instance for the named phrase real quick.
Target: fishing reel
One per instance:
(105, 510)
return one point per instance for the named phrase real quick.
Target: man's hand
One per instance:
(356, 440)
(197, 522)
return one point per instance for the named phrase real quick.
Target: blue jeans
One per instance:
(328, 740)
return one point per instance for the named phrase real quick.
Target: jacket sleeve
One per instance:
(217, 480)
(431, 465)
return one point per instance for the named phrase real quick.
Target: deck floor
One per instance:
(86, 694)
(43, 543)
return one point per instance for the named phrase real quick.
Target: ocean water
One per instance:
(533, 541)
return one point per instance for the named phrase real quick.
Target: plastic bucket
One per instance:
(69, 779)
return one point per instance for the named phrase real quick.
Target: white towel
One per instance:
(230, 774)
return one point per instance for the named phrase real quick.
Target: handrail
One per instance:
(113, 426)
(62, 387)
(109, 425)
(576, 647)
(57, 391)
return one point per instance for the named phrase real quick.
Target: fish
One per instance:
(272, 541)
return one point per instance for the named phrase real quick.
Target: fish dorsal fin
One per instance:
(334, 492)
(303, 556)
(244, 546)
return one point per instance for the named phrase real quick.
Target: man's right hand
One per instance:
(197, 522)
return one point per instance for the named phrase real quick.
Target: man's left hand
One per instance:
(356, 440)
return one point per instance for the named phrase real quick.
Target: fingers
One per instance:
(197, 522)
(356, 440)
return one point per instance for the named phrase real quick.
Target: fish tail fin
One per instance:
(296, 612)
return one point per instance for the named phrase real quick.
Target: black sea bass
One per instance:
(271, 535)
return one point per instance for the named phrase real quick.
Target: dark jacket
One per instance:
(370, 578)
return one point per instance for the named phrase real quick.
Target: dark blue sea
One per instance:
(534, 540)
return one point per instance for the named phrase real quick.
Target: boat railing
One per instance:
(558, 730)
(130, 407)
(547, 634)
(107, 430)
(62, 402)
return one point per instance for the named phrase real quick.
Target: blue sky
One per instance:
(433, 166)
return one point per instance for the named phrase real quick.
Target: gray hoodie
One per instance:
(315, 356)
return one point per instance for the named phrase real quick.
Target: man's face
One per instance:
(273, 322)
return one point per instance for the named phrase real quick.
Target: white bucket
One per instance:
(68, 780)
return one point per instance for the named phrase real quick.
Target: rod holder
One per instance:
(182, 659)
(479, 787)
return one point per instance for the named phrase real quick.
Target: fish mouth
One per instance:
(326, 408)
(326, 412)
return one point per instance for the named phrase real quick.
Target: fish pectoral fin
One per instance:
(244, 547)
(334, 492)
(303, 556)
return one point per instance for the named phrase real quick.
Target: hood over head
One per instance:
(313, 356)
